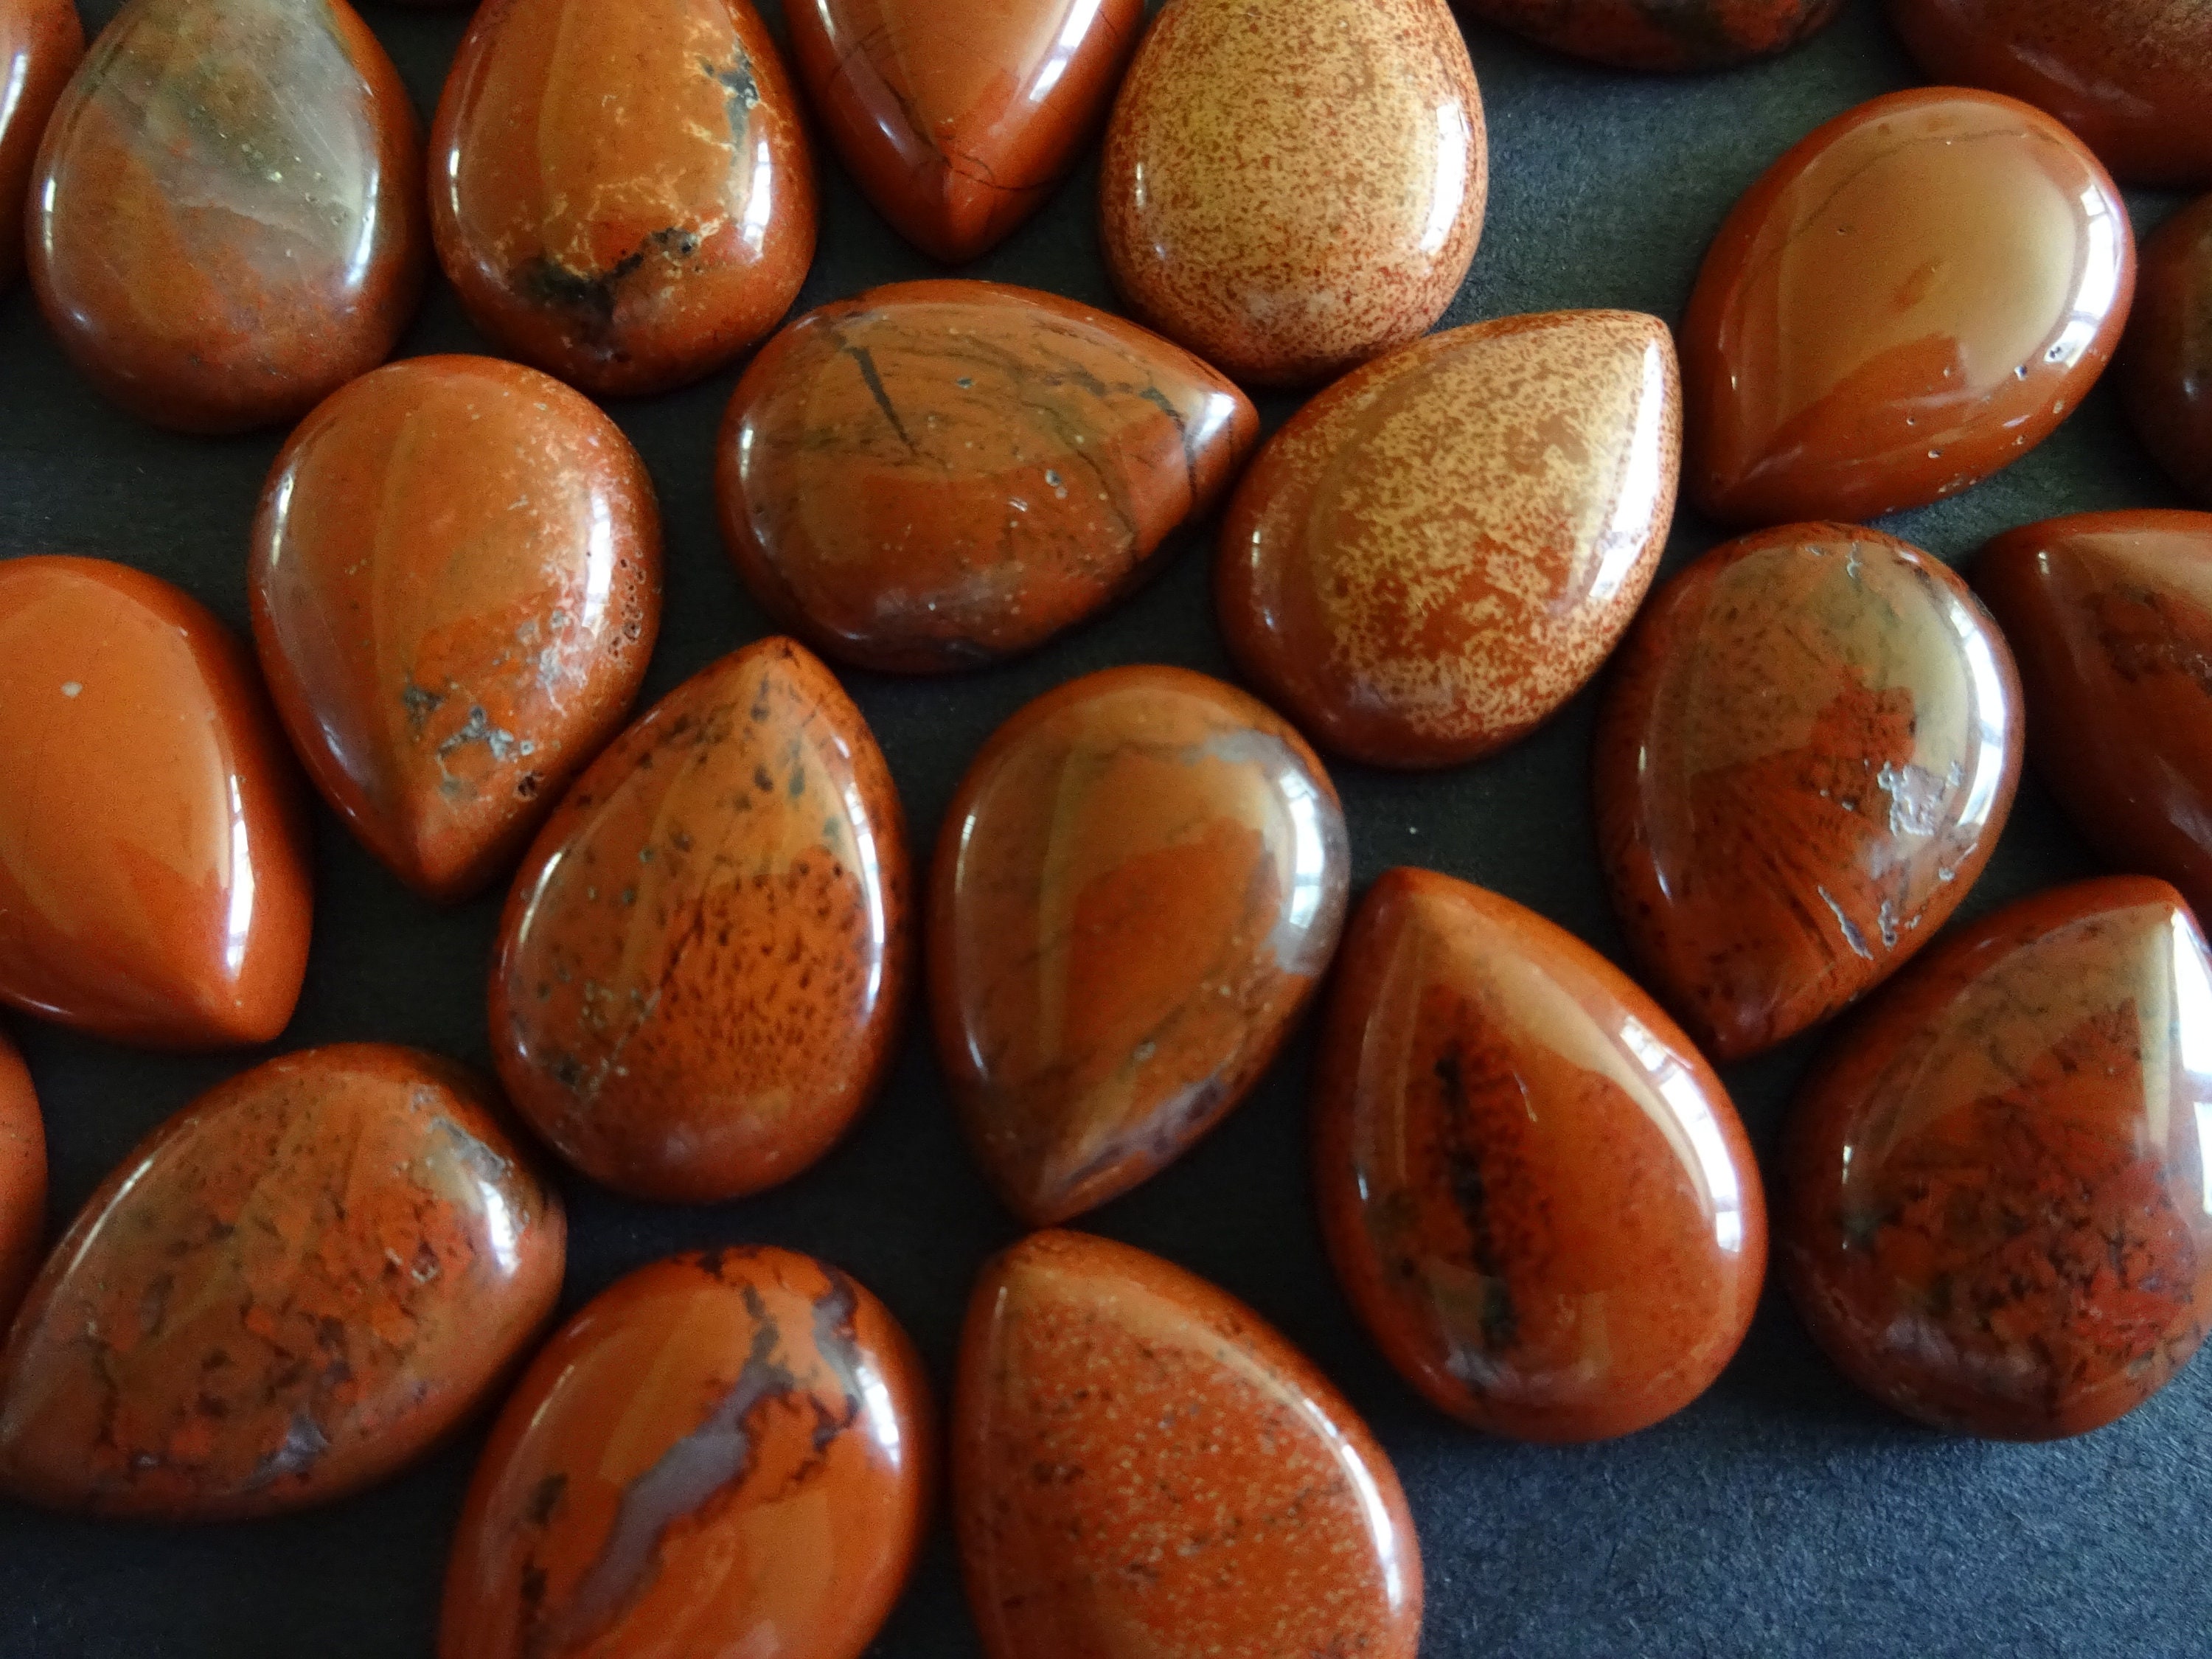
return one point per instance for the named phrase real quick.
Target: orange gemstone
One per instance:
(41, 42)
(23, 1181)
(1662, 34)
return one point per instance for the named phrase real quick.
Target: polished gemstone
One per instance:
(1535, 1191)
(2129, 76)
(1140, 1466)
(2110, 615)
(41, 42)
(456, 584)
(621, 194)
(1804, 758)
(1137, 886)
(289, 1291)
(1997, 1218)
(723, 1454)
(2166, 359)
(154, 885)
(704, 958)
(939, 475)
(959, 134)
(226, 219)
(1913, 297)
(23, 1181)
(1354, 235)
(1661, 34)
(1441, 548)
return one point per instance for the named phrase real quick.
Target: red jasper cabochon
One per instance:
(2166, 359)
(23, 1181)
(41, 42)
(1661, 34)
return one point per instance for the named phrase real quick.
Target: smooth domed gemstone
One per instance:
(225, 219)
(1354, 236)
(1996, 1217)
(1137, 886)
(1913, 297)
(1661, 34)
(1804, 758)
(621, 194)
(2110, 615)
(154, 885)
(2128, 76)
(1141, 1466)
(1536, 1193)
(23, 1181)
(703, 960)
(939, 475)
(2166, 358)
(456, 585)
(289, 1291)
(725, 1453)
(41, 42)
(958, 134)
(1441, 548)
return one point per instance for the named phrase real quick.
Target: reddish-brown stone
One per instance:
(704, 958)
(1661, 34)
(723, 1454)
(1535, 1191)
(225, 219)
(939, 475)
(621, 194)
(1913, 297)
(456, 584)
(2110, 615)
(287, 1292)
(1141, 1466)
(958, 134)
(41, 42)
(1997, 1219)
(1138, 886)
(1441, 548)
(154, 885)
(1806, 755)
(1355, 235)
(2128, 76)
(2166, 358)
(23, 1181)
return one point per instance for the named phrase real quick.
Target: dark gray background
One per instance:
(1782, 1513)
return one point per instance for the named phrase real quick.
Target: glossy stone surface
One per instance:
(703, 960)
(456, 586)
(1354, 236)
(1138, 886)
(621, 194)
(1536, 1193)
(154, 885)
(1804, 758)
(23, 1181)
(1913, 297)
(2129, 76)
(41, 42)
(1661, 34)
(958, 134)
(939, 475)
(2166, 359)
(1141, 1466)
(288, 1291)
(1998, 1218)
(1441, 548)
(2110, 617)
(723, 1454)
(226, 218)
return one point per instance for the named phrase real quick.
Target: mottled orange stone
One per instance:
(154, 885)
(1536, 1193)
(225, 219)
(1805, 757)
(23, 1181)
(1997, 1218)
(1442, 548)
(287, 1292)
(957, 134)
(456, 586)
(1141, 1466)
(725, 1453)
(1912, 298)
(1138, 886)
(939, 475)
(1355, 235)
(1661, 34)
(2164, 369)
(41, 42)
(621, 194)
(704, 959)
